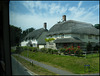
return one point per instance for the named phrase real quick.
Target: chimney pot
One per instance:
(45, 25)
(64, 17)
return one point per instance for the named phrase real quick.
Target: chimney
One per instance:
(64, 17)
(45, 25)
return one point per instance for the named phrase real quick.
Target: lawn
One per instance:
(70, 63)
(34, 68)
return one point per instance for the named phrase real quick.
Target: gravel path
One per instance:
(50, 68)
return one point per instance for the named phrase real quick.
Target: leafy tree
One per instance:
(15, 35)
(97, 26)
(49, 39)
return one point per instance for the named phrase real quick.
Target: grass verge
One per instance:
(34, 68)
(70, 63)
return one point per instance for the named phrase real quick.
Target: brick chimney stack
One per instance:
(64, 17)
(45, 25)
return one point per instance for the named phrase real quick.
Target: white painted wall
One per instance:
(24, 43)
(41, 46)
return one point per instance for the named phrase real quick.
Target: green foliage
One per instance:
(49, 39)
(97, 26)
(70, 63)
(34, 49)
(62, 50)
(15, 35)
(50, 50)
(12, 51)
(89, 47)
(73, 50)
(44, 50)
(19, 49)
(34, 68)
(55, 51)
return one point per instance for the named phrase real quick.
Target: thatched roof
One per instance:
(41, 39)
(35, 34)
(73, 27)
(68, 40)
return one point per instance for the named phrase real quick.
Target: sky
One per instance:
(27, 14)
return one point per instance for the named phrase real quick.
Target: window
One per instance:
(62, 35)
(82, 36)
(89, 36)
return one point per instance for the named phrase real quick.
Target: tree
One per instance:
(15, 35)
(49, 39)
(97, 26)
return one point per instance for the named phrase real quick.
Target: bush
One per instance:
(43, 50)
(55, 51)
(50, 51)
(19, 49)
(34, 49)
(62, 50)
(73, 50)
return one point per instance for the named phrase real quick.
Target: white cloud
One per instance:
(35, 21)
(53, 13)
(83, 14)
(52, 8)
(29, 5)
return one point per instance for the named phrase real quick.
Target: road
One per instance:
(18, 69)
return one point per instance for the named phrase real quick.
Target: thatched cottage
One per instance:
(36, 38)
(71, 32)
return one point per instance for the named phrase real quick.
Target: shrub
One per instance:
(34, 49)
(73, 50)
(62, 50)
(55, 51)
(50, 51)
(43, 50)
(18, 49)
(25, 47)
